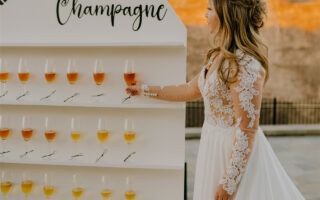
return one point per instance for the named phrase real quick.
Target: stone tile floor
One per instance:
(300, 156)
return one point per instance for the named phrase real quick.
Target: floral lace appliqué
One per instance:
(238, 162)
(249, 73)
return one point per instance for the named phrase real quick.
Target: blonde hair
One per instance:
(240, 22)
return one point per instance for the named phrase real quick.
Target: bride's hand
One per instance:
(221, 194)
(134, 90)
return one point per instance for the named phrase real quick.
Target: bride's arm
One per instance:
(246, 93)
(178, 93)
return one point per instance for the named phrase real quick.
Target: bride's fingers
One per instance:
(216, 197)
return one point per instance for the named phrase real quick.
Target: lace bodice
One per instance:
(218, 101)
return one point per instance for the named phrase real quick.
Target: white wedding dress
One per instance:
(233, 149)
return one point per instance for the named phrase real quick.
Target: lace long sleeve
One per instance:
(246, 93)
(181, 92)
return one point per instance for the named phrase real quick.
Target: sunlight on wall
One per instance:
(304, 15)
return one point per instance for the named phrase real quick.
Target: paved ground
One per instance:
(300, 157)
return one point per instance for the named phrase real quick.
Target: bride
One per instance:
(235, 160)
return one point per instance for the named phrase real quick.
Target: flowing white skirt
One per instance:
(264, 178)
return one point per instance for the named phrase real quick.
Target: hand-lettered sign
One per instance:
(88, 22)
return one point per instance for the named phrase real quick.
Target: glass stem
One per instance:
(50, 148)
(24, 88)
(3, 148)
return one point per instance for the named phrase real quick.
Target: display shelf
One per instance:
(95, 105)
(157, 166)
(108, 165)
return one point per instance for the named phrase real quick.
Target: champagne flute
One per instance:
(50, 75)
(4, 133)
(72, 72)
(129, 75)
(6, 184)
(77, 190)
(98, 76)
(50, 71)
(27, 133)
(103, 135)
(106, 191)
(23, 74)
(4, 76)
(50, 135)
(48, 188)
(76, 135)
(129, 194)
(129, 135)
(72, 76)
(26, 185)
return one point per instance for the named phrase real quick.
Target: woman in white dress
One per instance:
(235, 160)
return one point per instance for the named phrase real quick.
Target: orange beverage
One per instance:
(4, 133)
(103, 135)
(130, 78)
(4, 77)
(106, 193)
(24, 77)
(77, 192)
(27, 186)
(76, 135)
(129, 137)
(6, 187)
(130, 195)
(72, 77)
(48, 190)
(50, 77)
(99, 78)
(50, 135)
(27, 133)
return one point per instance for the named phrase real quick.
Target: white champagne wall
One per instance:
(160, 125)
(30, 29)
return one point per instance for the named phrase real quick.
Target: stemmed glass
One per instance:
(27, 133)
(6, 184)
(72, 76)
(103, 135)
(23, 74)
(4, 76)
(98, 76)
(26, 185)
(129, 135)
(129, 194)
(77, 190)
(50, 76)
(48, 188)
(129, 75)
(76, 135)
(4, 133)
(50, 135)
(106, 191)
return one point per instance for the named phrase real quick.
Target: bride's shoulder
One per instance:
(249, 63)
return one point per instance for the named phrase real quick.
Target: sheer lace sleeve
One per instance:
(181, 92)
(246, 94)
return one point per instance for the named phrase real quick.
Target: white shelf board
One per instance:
(106, 165)
(94, 105)
(125, 44)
